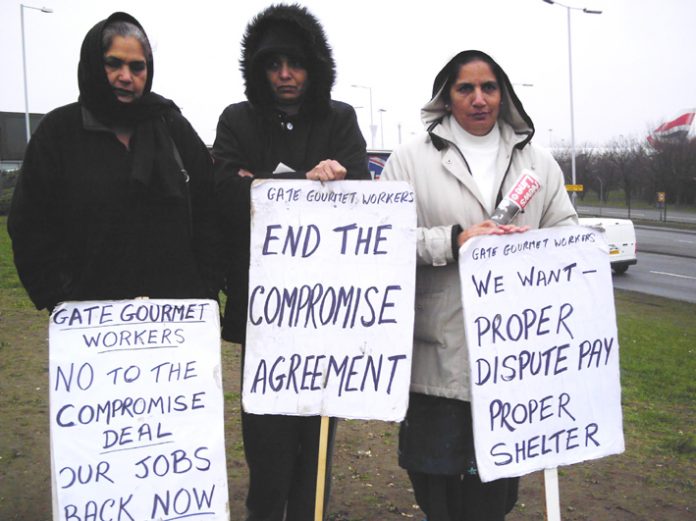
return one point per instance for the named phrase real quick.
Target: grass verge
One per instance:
(658, 477)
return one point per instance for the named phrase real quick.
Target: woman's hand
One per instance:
(488, 228)
(327, 170)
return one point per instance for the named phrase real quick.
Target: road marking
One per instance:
(687, 242)
(673, 275)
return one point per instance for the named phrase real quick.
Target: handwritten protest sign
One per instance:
(136, 411)
(331, 285)
(543, 350)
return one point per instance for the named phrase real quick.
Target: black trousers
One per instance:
(463, 498)
(281, 453)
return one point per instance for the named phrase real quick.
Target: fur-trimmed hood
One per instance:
(293, 30)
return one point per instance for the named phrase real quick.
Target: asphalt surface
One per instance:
(666, 264)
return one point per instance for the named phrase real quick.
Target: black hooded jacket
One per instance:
(254, 135)
(93, 220)
(292, 30)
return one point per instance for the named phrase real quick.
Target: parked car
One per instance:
(621, 238)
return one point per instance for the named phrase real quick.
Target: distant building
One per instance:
(13, 138)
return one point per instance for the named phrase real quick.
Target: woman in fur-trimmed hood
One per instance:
(294, 31)
(288, 128)
(314, 137)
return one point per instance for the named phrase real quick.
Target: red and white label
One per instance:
(527, 185)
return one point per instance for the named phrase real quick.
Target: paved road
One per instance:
(666, 264)
(681, 243)
(642, 213)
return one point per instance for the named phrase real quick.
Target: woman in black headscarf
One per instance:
(114, 197)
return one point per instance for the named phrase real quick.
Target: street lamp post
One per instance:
(570, 81)
(373, 128)
(381, 125)
(24, 63)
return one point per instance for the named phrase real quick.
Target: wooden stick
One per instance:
(553, 504)
(321, 469)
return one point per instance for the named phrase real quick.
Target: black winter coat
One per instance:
(81, 230)
(258, 140)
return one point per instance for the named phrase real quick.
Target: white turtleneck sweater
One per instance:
(480, 153)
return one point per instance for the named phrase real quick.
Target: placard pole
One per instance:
(321, 469)
(553, 504)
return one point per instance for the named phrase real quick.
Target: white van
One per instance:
(621, 238)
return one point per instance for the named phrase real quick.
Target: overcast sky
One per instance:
(633, 65)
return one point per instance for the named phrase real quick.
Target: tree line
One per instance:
(637, 168)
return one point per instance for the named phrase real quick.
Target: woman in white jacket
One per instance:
(476, 146)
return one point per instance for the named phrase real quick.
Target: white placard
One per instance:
(543, 350)
(331, 288)
(137, 411)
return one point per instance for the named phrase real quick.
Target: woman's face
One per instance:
(475, 98)
(287, 78)
(126, 68)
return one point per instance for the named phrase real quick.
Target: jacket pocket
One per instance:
(430, 317)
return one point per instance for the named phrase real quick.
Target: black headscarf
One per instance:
(153, 160)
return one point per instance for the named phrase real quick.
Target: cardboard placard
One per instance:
(137, 410)
(543, 350)
(331, 289)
